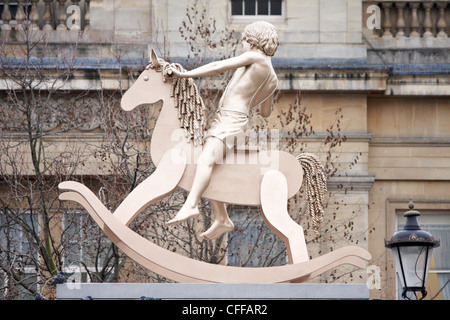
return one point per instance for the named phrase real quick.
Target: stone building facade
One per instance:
(382, 65)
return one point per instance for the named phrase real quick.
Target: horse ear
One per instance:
(155, 60)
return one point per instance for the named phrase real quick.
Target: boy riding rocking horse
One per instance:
(252, 84)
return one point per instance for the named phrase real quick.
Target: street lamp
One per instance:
(412, 248)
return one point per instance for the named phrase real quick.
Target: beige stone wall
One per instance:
(410, 138)
(130, 21)
(403, 117)
(323, 108)
(409, 155)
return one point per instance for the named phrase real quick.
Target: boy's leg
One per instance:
(213, 152)
(221, 224)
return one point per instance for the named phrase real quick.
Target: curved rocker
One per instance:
(184, 269)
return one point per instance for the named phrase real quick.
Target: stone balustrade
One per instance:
(410, 19)
(43, 14)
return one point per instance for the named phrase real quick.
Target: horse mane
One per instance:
(187, 100)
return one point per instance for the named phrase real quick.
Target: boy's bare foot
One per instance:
(217, 229)
(186, 212)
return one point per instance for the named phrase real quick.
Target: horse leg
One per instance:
(221, 224)
(163, 181)
(274, 198)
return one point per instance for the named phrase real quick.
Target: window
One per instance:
(256, 7)
(85, 244)
(29, 280)
(18, 251)
(19, 245)
(18, 291)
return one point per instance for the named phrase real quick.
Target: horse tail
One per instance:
(315, 184)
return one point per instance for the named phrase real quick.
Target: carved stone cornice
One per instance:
(351, 183)
(410, 142)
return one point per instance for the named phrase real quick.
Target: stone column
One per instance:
(87, 16)
(47, 16)
(34, 15)
(414, 19)
(441, 24)
(6, 16)
(387, 20)
(62, 15)
(20, 16)
(427, 24)
(400, 19)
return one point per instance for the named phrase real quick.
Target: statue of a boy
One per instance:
(252, 84)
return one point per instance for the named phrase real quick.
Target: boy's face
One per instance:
(245, 46)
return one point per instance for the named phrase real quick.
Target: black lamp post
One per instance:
(412, 248)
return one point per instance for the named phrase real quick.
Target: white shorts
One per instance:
(228, 126)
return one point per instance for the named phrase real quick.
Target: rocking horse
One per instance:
(249, 179)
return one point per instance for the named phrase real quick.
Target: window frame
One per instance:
(79, 266)
(238, 19)
(28, 270)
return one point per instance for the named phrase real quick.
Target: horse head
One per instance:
(148, 88)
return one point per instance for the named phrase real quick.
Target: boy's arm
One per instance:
(217, 67)
(266, 107)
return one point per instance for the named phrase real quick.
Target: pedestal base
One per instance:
(191, 291)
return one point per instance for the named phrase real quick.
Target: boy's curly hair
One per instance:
(263, 35)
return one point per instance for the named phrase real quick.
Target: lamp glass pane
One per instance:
(398, 266)
(414, 262)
